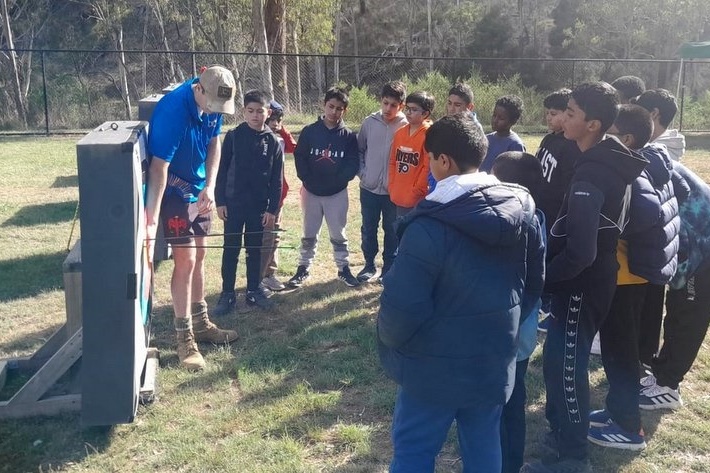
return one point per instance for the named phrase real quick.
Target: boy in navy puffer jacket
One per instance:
(469, 267)
(647, 254)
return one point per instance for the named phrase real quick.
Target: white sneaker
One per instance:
(659, 397)
(270, 282)
(596, 346)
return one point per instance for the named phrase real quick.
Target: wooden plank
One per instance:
(148, 389)
(44, 407)
(50, 372)
(35, 361)
(72, 288)
(46, 351)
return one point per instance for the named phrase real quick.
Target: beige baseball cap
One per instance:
(220, 87)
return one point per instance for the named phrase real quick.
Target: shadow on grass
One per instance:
(48, 443)
(29, 341)
(313, 359)
(31, 275)
(31, 215)
(65, 181)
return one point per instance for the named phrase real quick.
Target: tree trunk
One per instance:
(336, 47)
(261, 46)
(122, 71)
(155, 6)
(431, 44)
(299, 89)
(144, 72)
(17, 86)
(275, 13)
(356, 49)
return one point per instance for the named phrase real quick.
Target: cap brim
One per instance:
(222, 107)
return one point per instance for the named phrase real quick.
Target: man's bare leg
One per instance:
(184, 257)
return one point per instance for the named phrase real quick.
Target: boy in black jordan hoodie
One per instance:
(327, 159)
(582, 268)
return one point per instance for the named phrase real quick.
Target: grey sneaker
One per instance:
(347, 277)
(258, 299)
(273, 284)
(660, 397)
(227, 303)
(300, 277)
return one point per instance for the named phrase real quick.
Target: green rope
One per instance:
(73, 224)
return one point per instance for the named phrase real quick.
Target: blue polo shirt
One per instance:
(180, 135)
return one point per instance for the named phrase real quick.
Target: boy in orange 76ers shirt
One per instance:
(409, 162)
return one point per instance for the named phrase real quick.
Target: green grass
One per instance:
(300, 391)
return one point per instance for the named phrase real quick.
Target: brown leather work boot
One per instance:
(189, 355)
(205, 330)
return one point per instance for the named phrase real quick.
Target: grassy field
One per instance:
(300, 391)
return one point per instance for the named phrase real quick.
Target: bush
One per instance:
(696, 113)
(360, 106)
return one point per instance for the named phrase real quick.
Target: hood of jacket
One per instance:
(659, 166)
(612, 156)
(479, 206)
(674, 142)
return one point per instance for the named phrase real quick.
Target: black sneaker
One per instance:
(258, 299)
(226, 304)
(347, 277)
(299, 278)
(367, 273)
(382, 274)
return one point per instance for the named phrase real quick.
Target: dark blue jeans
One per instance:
(512, 423)
(242, 225)
(372, 206)
(419, 430)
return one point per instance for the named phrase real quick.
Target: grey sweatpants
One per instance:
(335, 210)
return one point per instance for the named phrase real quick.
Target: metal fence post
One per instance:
(574, 63)
(325, 72)
(44, 95)
(682, 96)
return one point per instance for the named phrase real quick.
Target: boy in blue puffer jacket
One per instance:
(469, 268)
(523, 169)
(647, 254)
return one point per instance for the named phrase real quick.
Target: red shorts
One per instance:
(181, 221)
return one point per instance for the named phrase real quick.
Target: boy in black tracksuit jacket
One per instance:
(557, 156)
(582, 267)
(247, 194)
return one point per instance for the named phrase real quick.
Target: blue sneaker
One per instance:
(600, 418)
(615, 437)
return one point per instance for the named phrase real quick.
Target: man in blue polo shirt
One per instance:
(185, 148)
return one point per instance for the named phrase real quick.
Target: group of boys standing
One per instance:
(465, 267)
(621, 220)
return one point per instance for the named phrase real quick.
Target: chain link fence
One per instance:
(72, 91)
